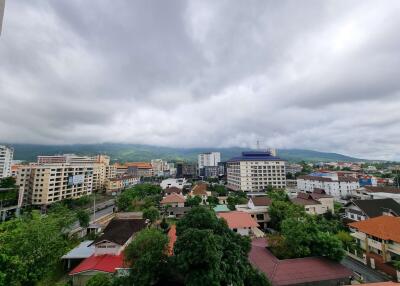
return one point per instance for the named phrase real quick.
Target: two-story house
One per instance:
(364, 209)
(257, 207)
(315, 203)
(379, 238)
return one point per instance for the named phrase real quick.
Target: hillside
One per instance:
(135, 152)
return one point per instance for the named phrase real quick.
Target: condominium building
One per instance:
(46, 184)
(255, 171)
(100, 164)
(337, 186)
(209, 159)
(6, 157)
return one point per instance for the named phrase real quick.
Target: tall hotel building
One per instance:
(6, 157)
(210, 159)
(255, 171)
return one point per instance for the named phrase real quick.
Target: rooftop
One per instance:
(375, 208)
(103, 263)
(391, 190)
(294, 271)
(83, 250)
(255, 156)
(305, 199)
(200, 189)
(120, 230)
(384, 227)
(173, 198)
(221, 208)
(236, 219)
(261, 201)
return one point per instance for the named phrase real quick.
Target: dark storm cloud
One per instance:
(317, 74)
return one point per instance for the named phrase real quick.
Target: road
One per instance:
(99, 214)
(368, 274)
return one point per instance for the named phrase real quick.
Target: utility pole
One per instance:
(94, 206)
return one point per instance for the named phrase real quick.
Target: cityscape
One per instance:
(152, 143)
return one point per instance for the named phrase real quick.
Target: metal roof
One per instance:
(83, 250)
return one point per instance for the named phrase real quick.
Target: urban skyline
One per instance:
(319, 76)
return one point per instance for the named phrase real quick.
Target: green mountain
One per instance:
(136, 152)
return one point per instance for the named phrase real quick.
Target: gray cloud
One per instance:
(321, 75)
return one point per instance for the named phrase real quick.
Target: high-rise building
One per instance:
(2, 4)
(209, 159)
(48, 183)
(99, 163)
(6, 157)
(255, 171)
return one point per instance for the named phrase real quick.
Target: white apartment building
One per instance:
(255, 171)
(46, 184)
(209, 159)
(6, 157)
(338, 187)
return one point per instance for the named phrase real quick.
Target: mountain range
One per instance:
(136, 152)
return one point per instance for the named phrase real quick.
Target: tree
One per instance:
(237, 198)
(193, 201)
(99, 279)
(147, 194)
(197, 256)
(83, 218)
(147, 255)
(277, 195)
(164, 224)
(31, 246)
(201, 234)
(8, 182)
(152, 214)
(280, 210)
(213, 201)
(346, 239)
(255, 278)
(328, 245)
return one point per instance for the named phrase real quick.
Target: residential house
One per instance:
(241, 222)
(201, 191)
(120, 183)
(301, 271)
(370, 192)
(173, 200)
(108, 250)
(379, 238)
(365, 209)
(171, 190)
(257, 207)
(178, 183)
(177, 212)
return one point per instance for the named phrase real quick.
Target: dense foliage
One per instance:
(147, 254)
(139, 197)
(207, 252)
(31, 246)
(83, 218)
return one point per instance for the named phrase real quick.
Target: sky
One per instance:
(320, 75)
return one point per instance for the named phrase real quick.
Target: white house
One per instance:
(178, 183)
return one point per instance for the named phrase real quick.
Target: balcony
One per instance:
(394, 247)
(374, 244)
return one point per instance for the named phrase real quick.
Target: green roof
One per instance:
(221, 208)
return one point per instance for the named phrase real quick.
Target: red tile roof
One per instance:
(103, 263)
(173, 198)
(382, 190)
(238, 219)
(315, 178)
(294, 271)
(172, 239)
(171, 190)
(261, 201)
(384, 227)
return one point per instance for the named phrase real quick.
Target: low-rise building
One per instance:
(201, 190)
(173, 200)
(379, 238)
(369, 192)
(300, 271)
(118, 184)
(315, 203)
(177, 183)
(338, 187)
(365, 209)
(240, 222)
(257, 207)
(108, 251)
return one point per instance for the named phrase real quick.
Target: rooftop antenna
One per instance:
(258, 144)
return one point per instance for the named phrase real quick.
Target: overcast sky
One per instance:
(321, 75)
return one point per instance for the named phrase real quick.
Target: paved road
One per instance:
(99, 214)
(368, 274)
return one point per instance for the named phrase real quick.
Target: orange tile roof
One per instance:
(384, 227)
(238, 219)
(200, 189)
(172, 239)
(173, 198)
(140, 165)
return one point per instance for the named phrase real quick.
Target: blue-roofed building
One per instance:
(254, 171)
